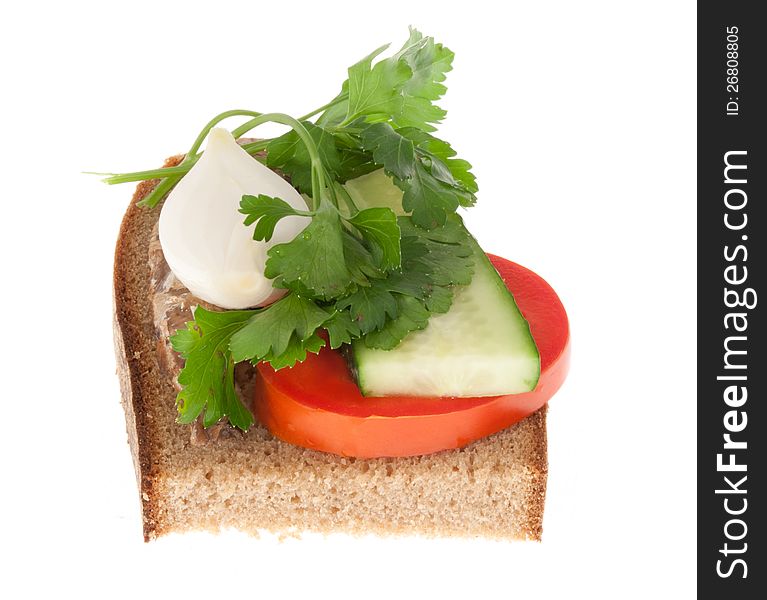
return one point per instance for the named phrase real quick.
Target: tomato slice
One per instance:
(317, 405)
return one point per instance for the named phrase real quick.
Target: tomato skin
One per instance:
(317, 405)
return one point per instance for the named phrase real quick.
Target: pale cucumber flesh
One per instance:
(375, 189)
(481, 347)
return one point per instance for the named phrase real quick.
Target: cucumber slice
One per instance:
(481, 347)
(375, 189)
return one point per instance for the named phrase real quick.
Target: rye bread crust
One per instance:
(493, 488)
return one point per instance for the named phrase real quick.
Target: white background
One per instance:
(580, 121)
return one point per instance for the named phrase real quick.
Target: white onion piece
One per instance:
(202, 234)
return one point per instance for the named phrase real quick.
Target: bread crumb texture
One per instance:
(254, 482)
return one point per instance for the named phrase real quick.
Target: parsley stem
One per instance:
(318, 170)
(353, 208)
(337, 100)
(254, 147)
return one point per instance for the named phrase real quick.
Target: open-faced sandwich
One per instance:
(309, 338)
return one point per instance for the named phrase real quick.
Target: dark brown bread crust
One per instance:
(133, 330)
(494, 488)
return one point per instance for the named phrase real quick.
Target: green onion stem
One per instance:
(159, 191)
(171, 175)
(181, 169)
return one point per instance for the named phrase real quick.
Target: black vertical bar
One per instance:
(732, 300)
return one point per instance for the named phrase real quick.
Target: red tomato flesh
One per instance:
(317, 404)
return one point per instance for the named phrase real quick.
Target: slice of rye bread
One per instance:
(493, 488)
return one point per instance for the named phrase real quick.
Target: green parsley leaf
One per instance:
(380, 225)
(267, 211)
(395, 152)
(296, 351)
(341, 154)
(289, 154)
(400, 89)
(341, 328)
(375, 91)
(336, 110)
(360, 260)
(313, 262)
(430, 189)
(452, 232)
(354, 162)
(369, 306)
(427, 199)
(208, 374)
(412, 315)
(438, 299)
(185, 340)
(433, 263)
(279, 332)
(428, 62)
(458, 172)
(442, 257)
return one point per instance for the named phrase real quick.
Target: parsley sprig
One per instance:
(352, 272)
